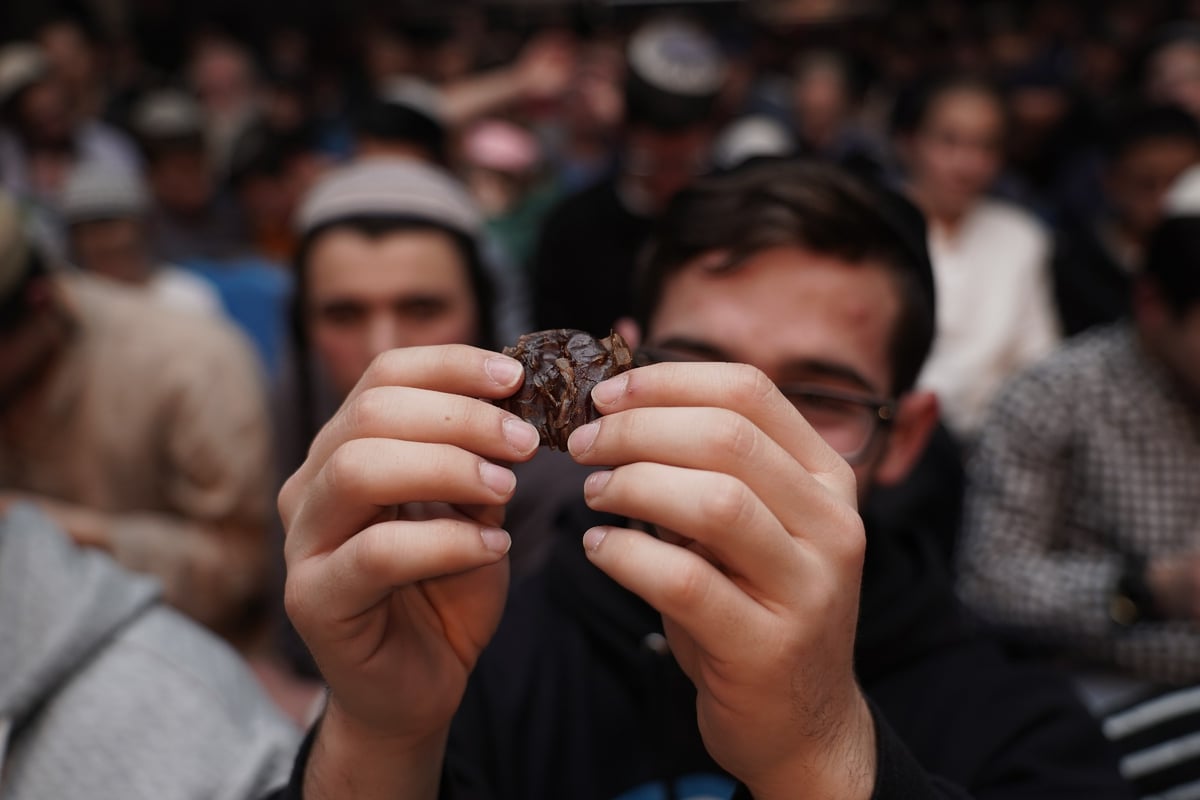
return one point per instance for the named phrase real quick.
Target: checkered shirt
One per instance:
(1089, 457)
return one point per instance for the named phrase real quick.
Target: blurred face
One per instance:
(1174, 76)
(956, 153)
(1138, 181)
(181, 181)
(70, 53)
(114, 248)
(801, 317)
(367, 295)
(657, 164)
(44, 115)
(822, 104)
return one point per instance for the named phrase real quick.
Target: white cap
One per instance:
(750, 137)
(390, 187)
(168, 113)
(1183, 198)
(21, 65)
(676, 56)
(413, 93)
(97, 190)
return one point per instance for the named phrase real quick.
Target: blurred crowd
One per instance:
(230, 213)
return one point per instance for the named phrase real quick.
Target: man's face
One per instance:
(182, 182)
(367, 295)
(657, 165)
(115, 248)
(956, 153)
(798, 316)
(1138, 180)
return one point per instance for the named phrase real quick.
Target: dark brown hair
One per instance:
(771, 203)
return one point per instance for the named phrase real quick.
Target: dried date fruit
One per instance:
(561, 367)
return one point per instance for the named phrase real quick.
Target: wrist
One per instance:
(351, 759)
(843, 768)
(1137, 595)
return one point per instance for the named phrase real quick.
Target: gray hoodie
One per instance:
(107, 693)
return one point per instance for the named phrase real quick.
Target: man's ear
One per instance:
(630, 331)
(916, 417)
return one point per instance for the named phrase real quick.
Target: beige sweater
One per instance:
(158, 420)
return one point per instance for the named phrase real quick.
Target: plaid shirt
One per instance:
(1088, 458)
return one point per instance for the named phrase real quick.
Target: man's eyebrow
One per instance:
(811, 367)
(828, 369)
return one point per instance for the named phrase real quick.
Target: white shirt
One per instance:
(995, 308)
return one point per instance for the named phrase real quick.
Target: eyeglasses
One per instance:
(849, 422)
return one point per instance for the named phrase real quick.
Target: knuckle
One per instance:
(295, 601)
(369, 410)
(726, 502)
(344, 468)
(751, 386)
(736, 435)
(689, 585)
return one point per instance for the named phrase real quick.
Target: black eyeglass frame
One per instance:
(884, 409)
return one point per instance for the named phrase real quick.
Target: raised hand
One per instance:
(396, 568)
(755, 569)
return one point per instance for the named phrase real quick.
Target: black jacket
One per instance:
(577, 698)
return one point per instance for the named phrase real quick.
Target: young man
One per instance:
(142, 432)
(718, 645)
(1081, 526)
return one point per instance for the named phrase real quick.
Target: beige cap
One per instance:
(21, 65)
(14, 246)
(390, 187)
(97, 190)
(1183, 198)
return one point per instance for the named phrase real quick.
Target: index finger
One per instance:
(737, 387)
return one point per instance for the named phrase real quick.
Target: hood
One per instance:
(59, 604)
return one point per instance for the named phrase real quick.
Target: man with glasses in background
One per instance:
(721, 647)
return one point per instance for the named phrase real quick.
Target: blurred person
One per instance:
(141, 431)
(1171, 70)
(751, 550)
(105, 209)
(269, 174)
(584, 262)
(1080, 543)
(42, 137)
(503, 166)
(190, 219)
(583, 135)
(73, 49)
(1096, 259)
(405, 119)
(107, 693)
(390, 256)
(826, 95)
(991, 259)
(223, 76)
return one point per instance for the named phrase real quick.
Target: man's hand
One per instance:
(87, 527)
(396, 570)
(756, 570)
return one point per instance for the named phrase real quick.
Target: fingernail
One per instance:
(581, 439)
(503, 370)
(521, 435)
(497, 478)
(596, 482)
(593, 538)
(496, 540)
(606, 392)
